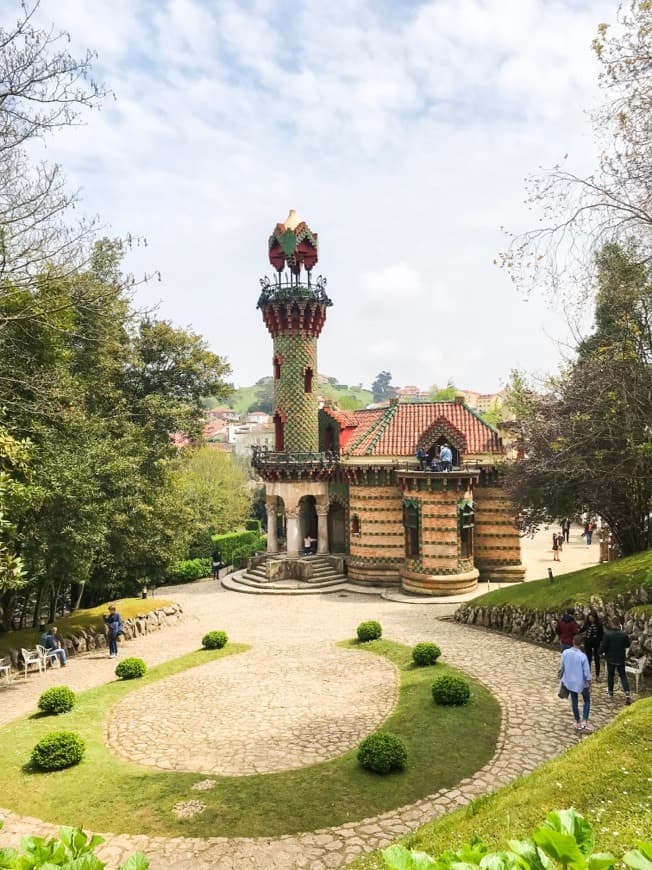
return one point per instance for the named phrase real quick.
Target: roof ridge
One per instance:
(381, 426)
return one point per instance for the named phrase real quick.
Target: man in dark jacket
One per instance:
(614, 646)
(567, 628)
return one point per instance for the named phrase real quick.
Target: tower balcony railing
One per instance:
(289, 287)
(263, 457)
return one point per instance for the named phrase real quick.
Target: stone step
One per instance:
(243, 582)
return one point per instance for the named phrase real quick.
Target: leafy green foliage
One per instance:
(382, 753)
(214, 640)
(58, 750)
(245, 543)
(382, 388)
(370, 630)
(565, 839)
(72, 849)
(131, 668)
(56, 700)
(451, 691)
(425, 653)
(190, 569)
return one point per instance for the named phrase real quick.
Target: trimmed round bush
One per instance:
(214, 640)
(58, 750)
(382, 753)
(370, 630)
(425, 653)
(131, 668)
(451, 691)
(58, 699)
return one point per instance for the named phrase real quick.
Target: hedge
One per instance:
(236, 547)
(190, 569)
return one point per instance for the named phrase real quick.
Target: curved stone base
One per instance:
(503, 573)
(373, 575)
(439, 584)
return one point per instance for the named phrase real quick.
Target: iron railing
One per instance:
(286, 287)
(263, 457)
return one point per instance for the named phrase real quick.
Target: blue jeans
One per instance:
(113, 644)
(589, 537)
(586, 695)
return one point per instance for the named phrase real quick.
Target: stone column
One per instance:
(272, 539)
(322, 529)
(294, 541)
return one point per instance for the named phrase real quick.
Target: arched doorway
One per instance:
(308, 521)
(433, 451)
(336, 528)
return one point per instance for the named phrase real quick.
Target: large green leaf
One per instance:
(288, 243)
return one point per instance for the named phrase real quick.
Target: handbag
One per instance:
(563, 692)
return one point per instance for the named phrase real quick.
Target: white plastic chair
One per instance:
(5, 668)
(48, 656)
(31, 657)
(636, 667)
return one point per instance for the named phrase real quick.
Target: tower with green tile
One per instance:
(294, 306)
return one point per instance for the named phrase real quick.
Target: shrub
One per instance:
(190, 569)
(214, 640)
(425, 653)
(71, 848)
(231, 541)
(131, 668)
(451, 691)
(253, 525)
(370, 630)
(382, 753)
(58, 750)
(58, 699)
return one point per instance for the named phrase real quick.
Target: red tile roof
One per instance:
(397, 430)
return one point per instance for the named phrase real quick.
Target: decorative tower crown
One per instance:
(293, 245)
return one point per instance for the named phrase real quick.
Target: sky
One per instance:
(402, 132)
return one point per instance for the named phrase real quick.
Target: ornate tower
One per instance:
(294, 311)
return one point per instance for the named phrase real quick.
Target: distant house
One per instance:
(258, 418)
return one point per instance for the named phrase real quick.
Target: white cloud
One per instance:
(401, 135)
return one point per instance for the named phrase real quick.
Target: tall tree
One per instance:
(586, 438)
(443, 394)
(580, 214)
(382, 388)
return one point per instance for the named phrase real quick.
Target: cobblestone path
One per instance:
(536, 725)
(276, 710)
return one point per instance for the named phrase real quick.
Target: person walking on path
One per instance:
(114, 625)
(216, 564)
(593, 633)
(565, 528)
(566, 629)
(614, 645)
(556, 547)
(588, 531)
(576, 677)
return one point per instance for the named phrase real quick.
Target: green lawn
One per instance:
(607, 777)
(80, 620)
(608, 580)
(106, 794)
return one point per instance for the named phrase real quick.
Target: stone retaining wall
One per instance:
(91, 639)
(538, 626)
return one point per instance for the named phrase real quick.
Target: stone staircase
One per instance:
(306, 575)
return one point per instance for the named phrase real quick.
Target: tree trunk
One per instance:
(76, 592)
(8, 604)
(36, 621)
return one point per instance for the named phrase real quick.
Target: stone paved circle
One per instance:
(273, 708)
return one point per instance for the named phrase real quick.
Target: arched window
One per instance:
(467, 521)
(411, 524)
(355, 526)
(307, 380)
(279, 434)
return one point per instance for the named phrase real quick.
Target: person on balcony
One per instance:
(446, 457)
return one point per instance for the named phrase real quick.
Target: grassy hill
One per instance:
(608, 580)
(606, 777)
(347, 398)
